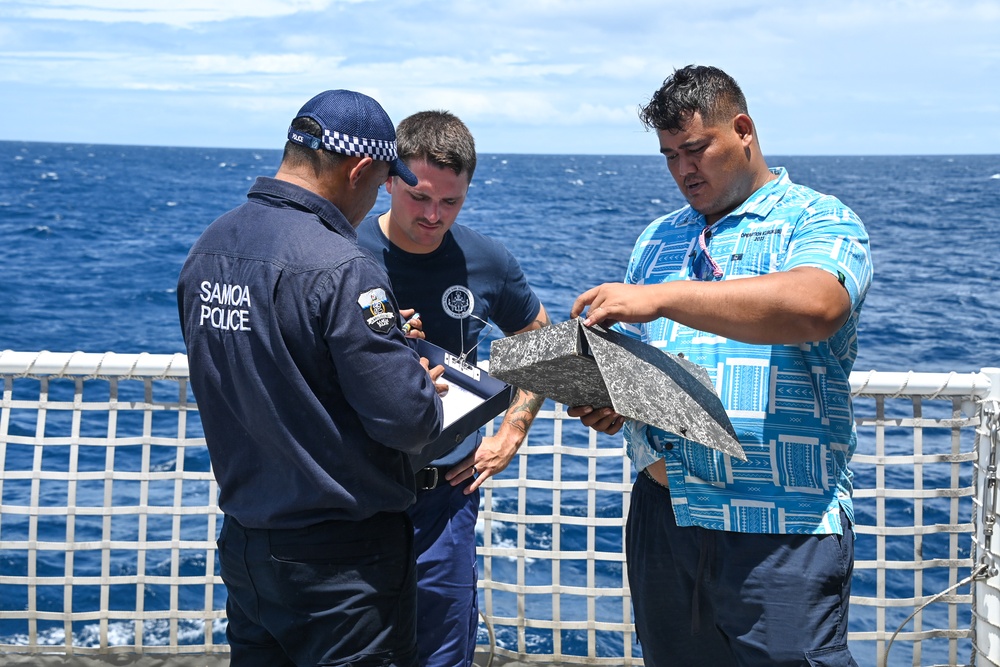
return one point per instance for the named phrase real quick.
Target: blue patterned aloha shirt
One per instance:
(790, 404)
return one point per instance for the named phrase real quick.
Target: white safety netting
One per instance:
(108, 520)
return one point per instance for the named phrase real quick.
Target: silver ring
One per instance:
(475, 471)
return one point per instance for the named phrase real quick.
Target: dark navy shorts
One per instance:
(710, 597)
(336, 593)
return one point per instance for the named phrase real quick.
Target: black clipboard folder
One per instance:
(474, 397)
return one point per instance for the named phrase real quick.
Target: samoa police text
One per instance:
(225, 306)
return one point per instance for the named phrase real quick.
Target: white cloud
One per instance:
(471, 70)
(204, 73)
(281, 64)
(569, 70)
(169, 12)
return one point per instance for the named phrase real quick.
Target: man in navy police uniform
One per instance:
(312, 401)
(458, 280)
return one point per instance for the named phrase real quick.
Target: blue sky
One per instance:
(865, 77)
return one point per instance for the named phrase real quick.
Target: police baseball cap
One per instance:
(353, 124)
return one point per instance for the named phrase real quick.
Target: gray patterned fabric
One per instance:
(577, 365)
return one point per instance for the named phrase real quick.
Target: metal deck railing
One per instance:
(108, 520)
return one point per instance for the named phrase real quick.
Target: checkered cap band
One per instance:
(346, 144)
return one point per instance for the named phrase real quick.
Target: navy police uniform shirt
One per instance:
(468, 280)
(310, 398)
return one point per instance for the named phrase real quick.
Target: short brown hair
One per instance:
(440, 138)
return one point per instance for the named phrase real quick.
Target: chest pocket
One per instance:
(754, 264)
(757, 252)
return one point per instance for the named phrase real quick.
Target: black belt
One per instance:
(431, 477)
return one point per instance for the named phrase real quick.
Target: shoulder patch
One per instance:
(377, 310)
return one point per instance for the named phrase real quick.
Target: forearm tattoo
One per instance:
(525, 405)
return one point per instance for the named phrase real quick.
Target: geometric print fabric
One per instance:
(789, 404)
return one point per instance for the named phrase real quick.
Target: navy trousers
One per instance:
(444, 526)
(709, 597)
(336, 593)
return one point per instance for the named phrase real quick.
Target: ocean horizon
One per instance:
(96, 235)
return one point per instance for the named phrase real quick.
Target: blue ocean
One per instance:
(94, 237)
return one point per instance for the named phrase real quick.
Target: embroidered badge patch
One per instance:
(377, 310)
(457, 301)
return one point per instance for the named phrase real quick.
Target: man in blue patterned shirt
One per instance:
(761, 282)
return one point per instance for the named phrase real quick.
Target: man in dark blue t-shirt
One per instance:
(458, 281)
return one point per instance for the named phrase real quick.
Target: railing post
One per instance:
(987, 586)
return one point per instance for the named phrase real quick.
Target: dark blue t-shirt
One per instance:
(310, 397)
(468, 280)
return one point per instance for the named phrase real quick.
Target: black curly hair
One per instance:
(700, 89)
